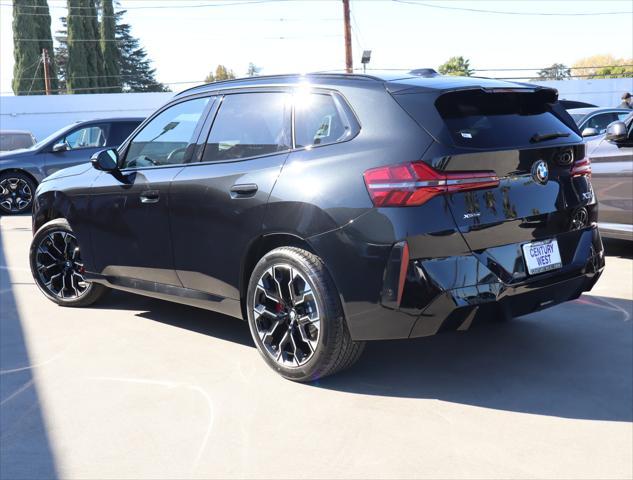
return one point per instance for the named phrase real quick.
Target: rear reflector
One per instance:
(581, 168)
(413, 183)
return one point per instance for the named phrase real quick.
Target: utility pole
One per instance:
(349, 67)
(47, 76)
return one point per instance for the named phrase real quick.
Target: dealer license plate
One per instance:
(542, 256)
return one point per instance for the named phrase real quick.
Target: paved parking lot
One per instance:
(140, 388)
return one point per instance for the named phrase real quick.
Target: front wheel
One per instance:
(58, 269)
(295, 316)
(16, 193)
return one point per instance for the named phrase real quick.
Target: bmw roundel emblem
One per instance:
(540, 172)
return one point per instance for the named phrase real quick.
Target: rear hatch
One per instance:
(524, 142)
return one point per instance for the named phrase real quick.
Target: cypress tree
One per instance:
(93, 48)
(77, 69)
(31, 34)
(110, 50)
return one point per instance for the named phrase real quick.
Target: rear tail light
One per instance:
(581, 168)
(413, 183)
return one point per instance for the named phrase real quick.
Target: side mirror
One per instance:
(590, 132)
(616, 132)
(106, 160)
(61, 147)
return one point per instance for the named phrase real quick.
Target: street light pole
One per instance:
(349, 67)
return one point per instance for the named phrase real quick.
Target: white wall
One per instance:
(42, 115)
(604, 92)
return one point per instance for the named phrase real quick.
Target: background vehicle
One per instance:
(594, 121)
(569, 104)
(15, 139)
(21, 171)
(331, 209)
(611, 157)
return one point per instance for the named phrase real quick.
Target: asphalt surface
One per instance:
(140, 388)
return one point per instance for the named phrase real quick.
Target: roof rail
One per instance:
(280, 76)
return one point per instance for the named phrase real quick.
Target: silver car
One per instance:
(611, 158)
(22, 170)
(594, 121)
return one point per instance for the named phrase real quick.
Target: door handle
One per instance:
(243, 190)
(150, 196)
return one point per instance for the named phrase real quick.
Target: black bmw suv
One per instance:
(332, 209)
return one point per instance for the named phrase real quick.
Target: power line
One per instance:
(499, 12)
(280, 37)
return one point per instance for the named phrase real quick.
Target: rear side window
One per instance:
(320, 119)
(249, 125)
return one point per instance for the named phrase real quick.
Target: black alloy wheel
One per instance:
(57, 266)
(16, 193)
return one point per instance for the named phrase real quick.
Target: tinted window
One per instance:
(319, 120)
(164, 140)
(479, 119)
(93, 136)
(119, 131)
(249, 125)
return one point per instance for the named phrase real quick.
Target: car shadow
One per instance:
(194, 319)
(25, 447)
(573, 361)
(618, 248)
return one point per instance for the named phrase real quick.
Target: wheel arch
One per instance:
(260, 247)
(22, 172)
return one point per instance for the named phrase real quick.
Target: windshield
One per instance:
(577, 117)
(53, 135)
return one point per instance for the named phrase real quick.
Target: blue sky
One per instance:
(290, 36)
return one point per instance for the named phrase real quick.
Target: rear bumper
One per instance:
(450, 293)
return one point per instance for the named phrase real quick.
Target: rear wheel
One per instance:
(16, 193)
(58, 269)
(295, 316)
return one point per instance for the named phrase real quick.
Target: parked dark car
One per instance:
(21, 171)
(332, 209)
(15, 139)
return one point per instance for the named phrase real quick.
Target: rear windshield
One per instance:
(491, 120)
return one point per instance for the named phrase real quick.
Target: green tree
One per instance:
(253, 70)
(93, 48)
(109, 49)
(457, 66)
(137, 73)
(78, 65)
(134, 67)
(31, 34)
(221, 73)
(557, 71)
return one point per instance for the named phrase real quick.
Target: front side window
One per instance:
(600, 121)
(164, 140)
(319, 120)
(249, 125)
(94, 136)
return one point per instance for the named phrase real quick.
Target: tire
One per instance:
(302, 335)
(16, 193)
(57, 268)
